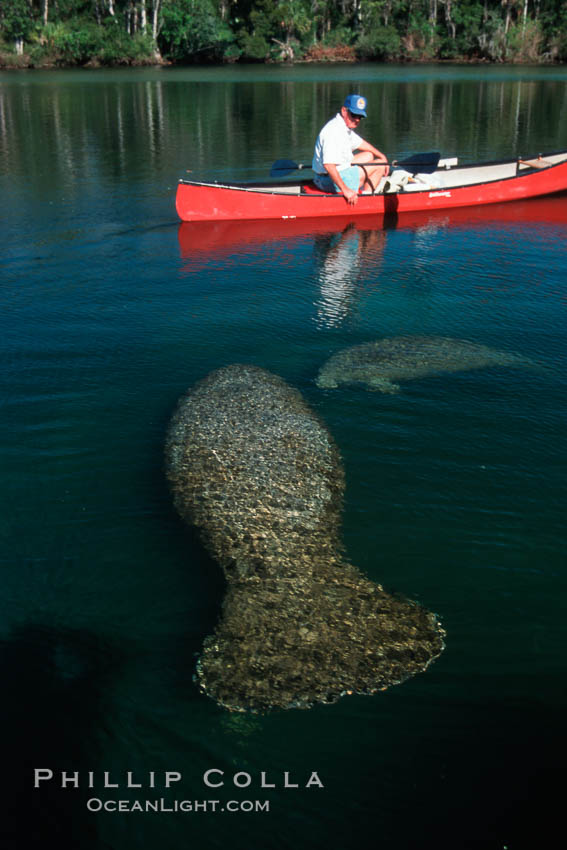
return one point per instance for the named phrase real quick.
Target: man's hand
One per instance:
(350, 195)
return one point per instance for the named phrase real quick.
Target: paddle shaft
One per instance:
(299, 166)
(425, 162)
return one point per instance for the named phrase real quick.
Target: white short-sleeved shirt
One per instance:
(335, 144)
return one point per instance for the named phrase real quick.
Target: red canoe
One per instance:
(206, 238)
(448, 187)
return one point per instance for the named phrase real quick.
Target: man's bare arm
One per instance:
(350, 195)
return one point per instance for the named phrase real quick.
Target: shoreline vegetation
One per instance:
(108, 33)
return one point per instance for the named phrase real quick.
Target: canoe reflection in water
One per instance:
(349, 252)
(200, 240)
(227, 238)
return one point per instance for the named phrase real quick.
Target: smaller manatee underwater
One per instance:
(255, 470)
(379, 365)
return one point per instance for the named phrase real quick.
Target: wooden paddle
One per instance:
(424, 163)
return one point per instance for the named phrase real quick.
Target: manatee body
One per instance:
(379, 365)
(254, 469)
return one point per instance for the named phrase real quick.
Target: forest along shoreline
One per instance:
(109, 33)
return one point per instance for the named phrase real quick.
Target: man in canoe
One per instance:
(334, 155)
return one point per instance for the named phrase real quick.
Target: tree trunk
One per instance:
(286, 50)
(19, 46)
(433, 12)
(451, 25)
(506, 4)
(143, 16)
(155, 19)
(525, 18)
(45, 12)
(155, 28)
(356, 14)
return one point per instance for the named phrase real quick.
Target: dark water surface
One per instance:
(455, 487)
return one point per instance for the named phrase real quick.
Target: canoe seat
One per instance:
(311, 189)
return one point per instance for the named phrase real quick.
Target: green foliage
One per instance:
(558, 47)
(557, 27)
(63, 10)
(524, 44)
(74, 42)
(260, 20)
(232, 53)
(78, 42)
(126, 50)
(338, 37)
(254, 48)
(190, 27)
(475, 32)
(421, 42)
(491, 39)
(80, 31)
(278, 26)
(15, 19)
(381, 43)
(293, 18)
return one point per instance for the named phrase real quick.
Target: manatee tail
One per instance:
(291, 645)
(514, 360)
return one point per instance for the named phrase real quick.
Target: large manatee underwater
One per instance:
(379, 365)
(254, 469)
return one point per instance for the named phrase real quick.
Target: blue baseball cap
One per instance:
(356, 104)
